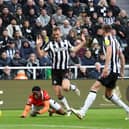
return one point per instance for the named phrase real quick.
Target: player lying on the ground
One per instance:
(39, 102)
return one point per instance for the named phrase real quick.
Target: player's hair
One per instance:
(107, 28)
(36, 88)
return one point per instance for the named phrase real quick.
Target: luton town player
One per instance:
(39, 102)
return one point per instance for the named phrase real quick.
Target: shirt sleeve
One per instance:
(30, 100)
(46, 95)
(46, 47)
(107, 42)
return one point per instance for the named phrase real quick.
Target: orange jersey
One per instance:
(38, 102)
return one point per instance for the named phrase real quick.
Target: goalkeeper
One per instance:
(39, 102)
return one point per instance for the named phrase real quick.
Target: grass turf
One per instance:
(95, 119)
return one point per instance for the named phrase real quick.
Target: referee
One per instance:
(59, 51)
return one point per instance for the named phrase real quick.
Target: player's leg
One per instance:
(66, 84)
(56, 108)
(58, 91)
(88, 101)
(115, 99)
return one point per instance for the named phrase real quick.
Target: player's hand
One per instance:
(105, 72)
(22, 116)
(39, 41)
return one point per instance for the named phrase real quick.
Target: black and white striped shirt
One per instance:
(59, 53)
(116, 49)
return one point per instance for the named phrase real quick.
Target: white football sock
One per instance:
(65, 103)
(88, 102)
(72, 87)
(115, 99)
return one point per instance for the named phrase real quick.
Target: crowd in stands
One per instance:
(22, 20)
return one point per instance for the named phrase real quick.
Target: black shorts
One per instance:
(58, 75)
(110, 80)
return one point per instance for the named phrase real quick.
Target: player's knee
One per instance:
(66, 84)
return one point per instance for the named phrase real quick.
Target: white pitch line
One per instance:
(2, 126)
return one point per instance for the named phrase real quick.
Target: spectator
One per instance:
(123, 17)
(21, 75)
(31, 17)
(95, 49)
(6, 74)
(78, 27)
(1, 26)
(33, 62)
(72, 36)
(13, 5)
(77, 8)
(18, 60)
(26, 49)
(11, 49)
(71, 17)
(65, 28)
(2, 5)
(51, 7)
(87, 59)
(13, 27)
(49, 27)
(102, 8)
(43, 18)
(64, 6)
(74, 61)
(29, 4)
(59, 17)
(109, 18)
(114, 8)
(91, 7)
(27, 30)
(5, 60)
(36, 29)
(4, 40)
(20, 17)
(95, 72)
(40, 4)
(18, 39)
(6, 16)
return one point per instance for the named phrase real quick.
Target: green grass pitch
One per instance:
(95, 119)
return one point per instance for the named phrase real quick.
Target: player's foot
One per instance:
(77, 91)
(77, 113)
(69, 112)
(127, 117)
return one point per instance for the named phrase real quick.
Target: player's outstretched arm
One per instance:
(26, 111)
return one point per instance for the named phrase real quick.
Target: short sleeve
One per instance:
(46, 95)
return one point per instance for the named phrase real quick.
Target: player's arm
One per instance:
(26, 110)
(122, 61)
(39, 42)
(45, 107)
(79, 46)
